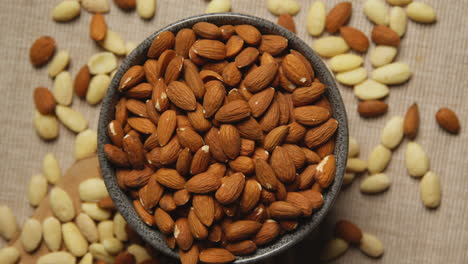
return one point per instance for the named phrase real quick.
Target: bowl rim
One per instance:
(123, 202)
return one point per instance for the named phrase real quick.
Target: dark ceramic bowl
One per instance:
(123, 202)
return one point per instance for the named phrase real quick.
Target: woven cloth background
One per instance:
(437, 54)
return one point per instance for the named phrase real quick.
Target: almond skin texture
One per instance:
(230, 140)
(44, 101)
(307, 95)
(213, 98)
(207, 30)
(182, 96)
(383, 35)
(372, 108)
(266, 176)
(132, 77)
(249, 34)
(165, 40)
(82, 79)
(233, 112)
(241, 230)
(166, 127)
(261, 77)
(273, 44)
(296, 71)
(355, 39)
(283, 210)
(216, 256)
(348, 231)
(42, 50)
(97, 27)
(411, 122)
(321, 134)
(338, 16)
(233, 46)
(231, 188)
(448, 120)
(311, 115)
(287, 22)
(203, 183)
(210, 49)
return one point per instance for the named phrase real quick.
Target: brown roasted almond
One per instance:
(44, 101)
(283, 165)
(273, 44)
(136, 107)
(338, 16)
(307, 95)
(42, 50)
(246, 57)
(296, 132)
(321, 134)
(163, 221)
(195, 58)
(325, 171)
(261, 153)
(233, 95)
(306, 177)
(355, 38)
(242, 164)
(233, 112)
(411, 122)
(165, 59)
(284, 82)
(311, 115)
(142, 125)
(216, 256)
(250, 129)
(181, 95)
(231, 188)
(170, 151)
(170, 178)
(242, 248)
(216, 66)
(174, 69)
(151, 193)
(132, 77)
(315, 197)
(348, 231)
(213, 98)
(98, 27)
(190, 139)
(184, 161)
(296, 71)
(198, 121)
(288, 225)
(144, 215)
(159, 97)
(140, 91)
(233, 46)
(151, 112)
(207, 30)
(152, 71)
(271, 118)
(116, 155)
(198, 230)
(115, 132)
(203, 206)
(212, 139)
(182, 234)
(275, 137)
(261, 77)
(304, 60)
(200, 160)
(183, 122)
(372, 108)
(184, 41)
(166, 126)
(81, 83)
(210, 49)
(250, 195)
(270, 231)
(266, 176)
(258, 214)
(190, 256)
(311, 156)
(192, 78)
(121, 112)
(260, 101)
(181, 197)
(163, 41)
(249, 34)
(301, 202)
(126, 5)
(170, 241)
(282, 210)
(203, 183)
(125, 256)
(138, 178)
(135, 152)
(448, 120)
(226, 31)
(240, 230)
(247, 147)
(266, 58)
(296, 154)
(286, 21)
(167, 202)
(383, 35)
(231, 74)
(230, 140)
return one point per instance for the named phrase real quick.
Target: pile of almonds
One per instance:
(220, 154)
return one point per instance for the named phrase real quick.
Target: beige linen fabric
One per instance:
(437, 54)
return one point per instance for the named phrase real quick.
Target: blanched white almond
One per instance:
(51, 168)
(382, 55)
(66, 10)
(119, 227)
(421, 12)
(218, 6)
(97, 88)
(74, 241)
(416, 159)
(376, 11)
(352, 77)
(112, 245)
(46, 125)
(52, 233)
(356, 165)
(113, 42)
(398, 20)
(9, 255)
(399, 2)
(61, 257)
(61, 204)
(87, 227)
(330, 46)
(280, 7)
(392, 133)
(72, 119)
(96, 6)
(431, 192)
(375, 183)
(393, 73)
(371, 245)
(63, 88)
(102, 63)
(316, 18)
(86, 259)
(378, 159)
(146, 8)
(92, 190)
(99, 252)
(59, 62)
(95, 212)
(8, 225)
(370, 90)
(333, 249)
(345, 62)
(105, 230)
(353, 148)
(85, 144)
(348, 178)
(37, 189)
(139, 252)
(31, 235)
(129, 47)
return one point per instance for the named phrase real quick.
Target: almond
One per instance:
(134, 149)
(265, 174)
(210, 49)
(97, 27)
(167, 202)
(273, 44)
(283, 165)
(246, 57)
(203, 183)
(348, 231)
(275, 137)
(231, 188)
(142, 125)
(321, 134)
(411, 122)
(44, 101)
(287, 22)
(260, 101)
(296, 154)
(182, 234)
(283, 108)
(126, 5)
(207, 30)
(249, 34)
(216, 255)
(200, 160)
(241, 230)
(115, 132)
(372, 108)
(226, 31)
(234, 45)
(193, 79)
(198, 230)
(163, 41)
(198, 121)
(355, 39)
(242, 248)
(136, 107)
(250, 129)
(271, 118)
(140, 91)
(173, 69)
(170, 178)
(448, 120)
(270, 231)
(138, 178)
(165, 59)
(311, 156)
(296, 71)
(325, 171)
(230, 140)
(190, 139)
(81, 83)
(132, 77)
(213, 98)
(213, 140)
(296, 132)
(181, 95)
(166, 127)
(311, 115)
(383, 35)
(338, 16)
(42, 50)
(283, 210)
(233, 112)
(231, 74)
(184, 41)
(261, 77)
(116, 155)
(307, 95)
(203, 206)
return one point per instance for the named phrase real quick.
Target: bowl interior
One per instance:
(124, 204)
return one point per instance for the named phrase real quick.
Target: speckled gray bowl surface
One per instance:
(123, 202)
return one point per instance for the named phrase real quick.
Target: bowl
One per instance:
(124, 204)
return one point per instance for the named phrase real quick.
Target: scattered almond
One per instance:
(448, 120)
